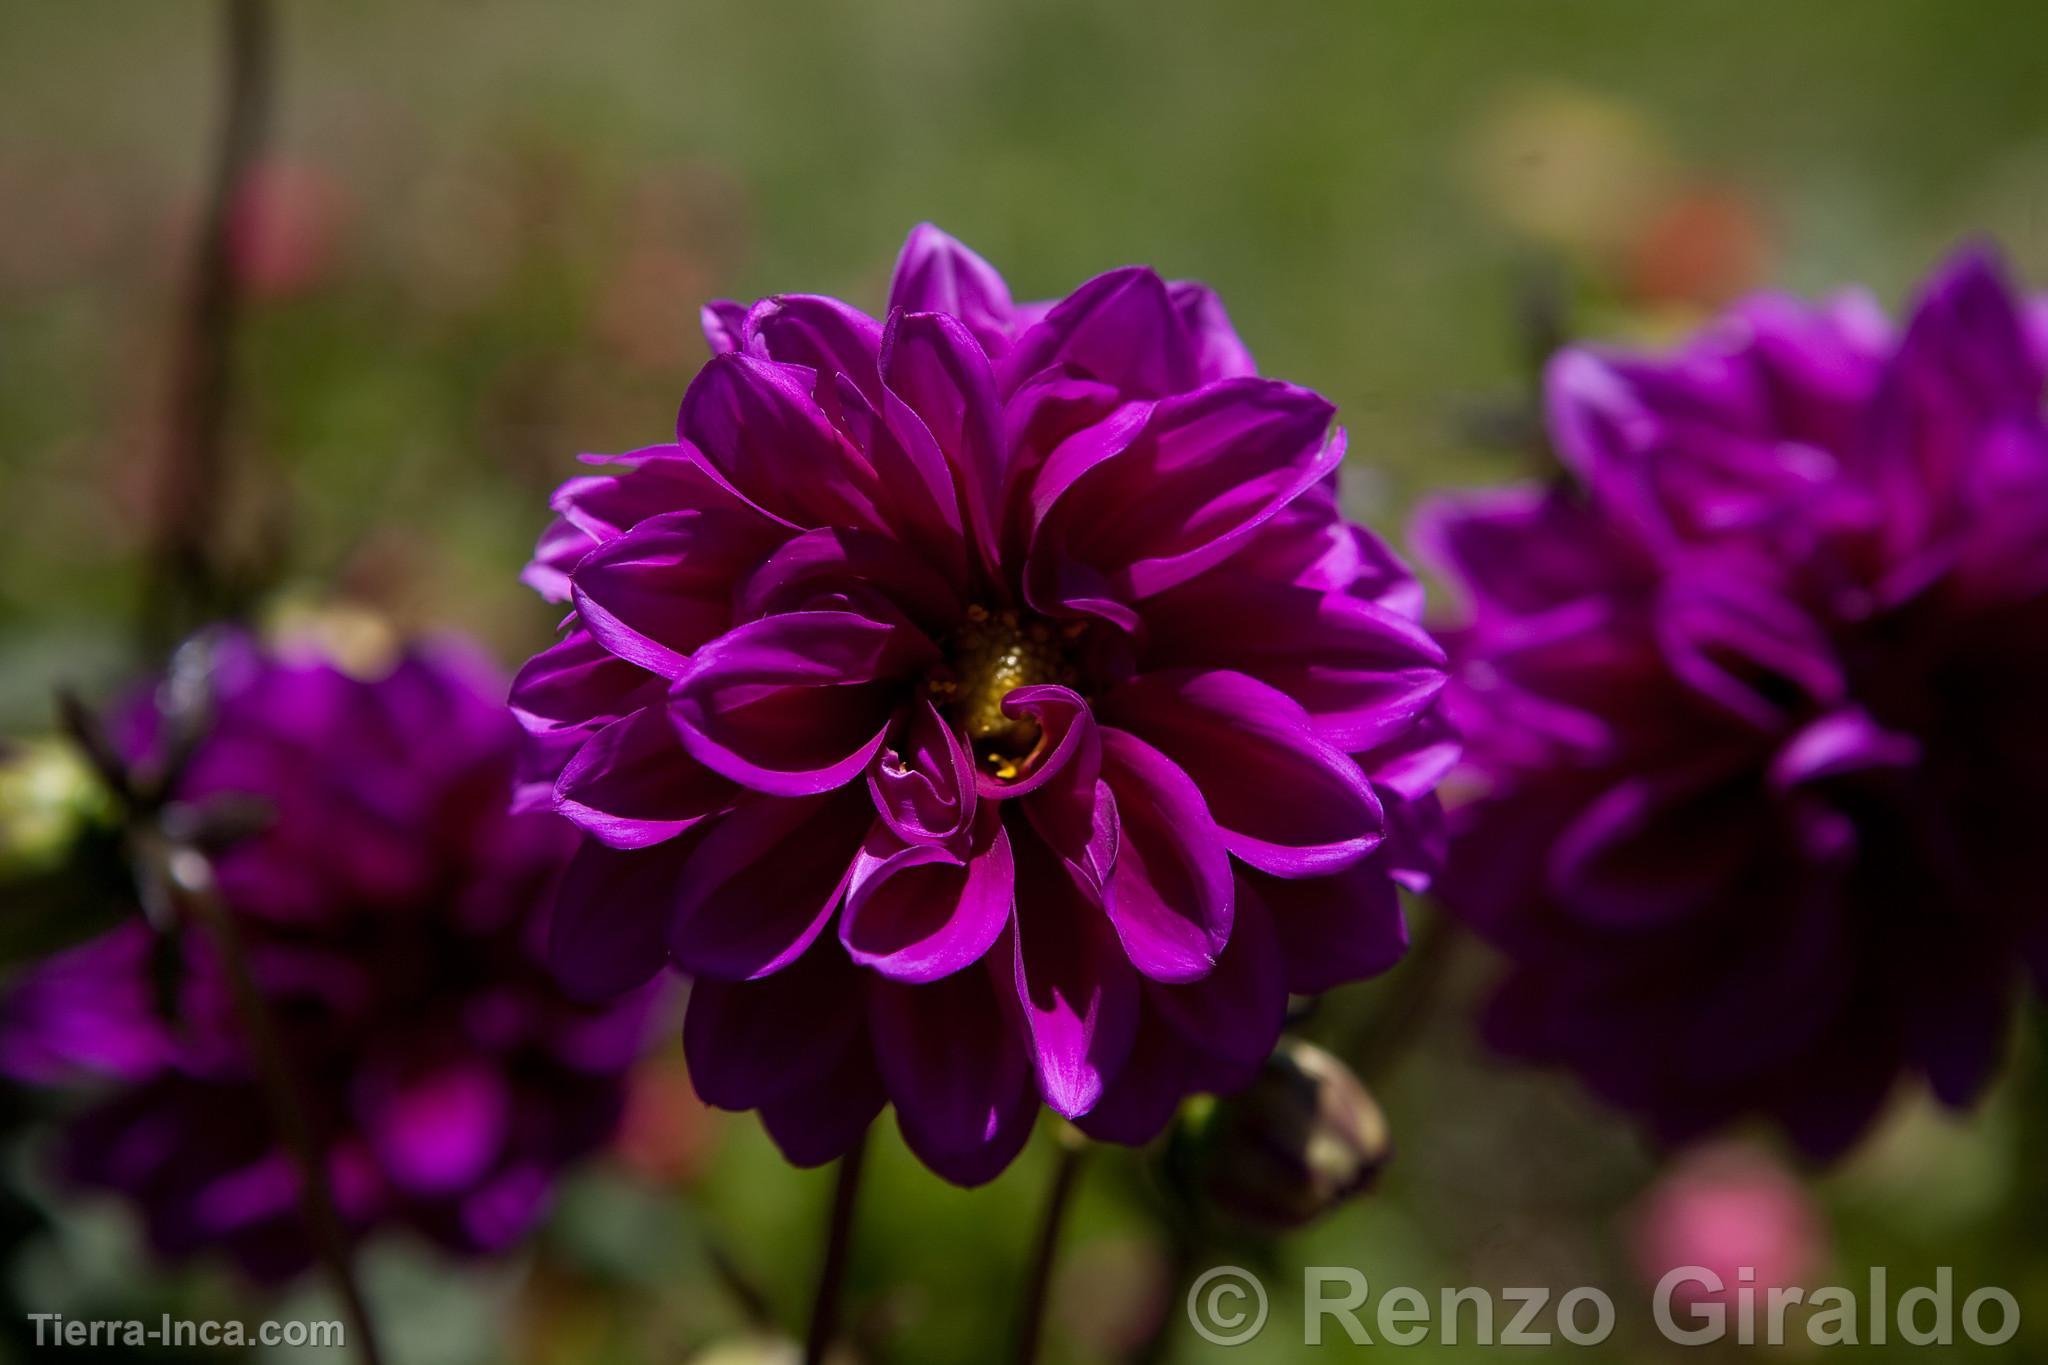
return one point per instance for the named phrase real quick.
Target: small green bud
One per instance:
(1305, 1137)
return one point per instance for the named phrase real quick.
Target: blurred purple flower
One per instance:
(985, 705)
(394, 917)
(1754, 704)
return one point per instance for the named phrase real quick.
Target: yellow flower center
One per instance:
(993, 653)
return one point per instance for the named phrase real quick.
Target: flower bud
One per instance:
(1305, 1137)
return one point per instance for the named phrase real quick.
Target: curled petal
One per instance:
(1121, 328)
(577, 683)
(918, 912)
(834, 564)
(923, 778)
(1219, 354)
(940, 390)
(756, 422)
(820, 334)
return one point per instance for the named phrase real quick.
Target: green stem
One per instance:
(1037, 1287)
(838, 1242)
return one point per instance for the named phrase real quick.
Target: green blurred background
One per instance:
(477, 244)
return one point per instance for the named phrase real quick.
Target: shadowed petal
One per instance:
(1336, 929)
(609, 931)
(820, 334)
(1121, 328)
(923, 778)
(1219, 354)
(764, 881)
(958, 1075)
(657, 592)
(756, 422)
(750, 1042)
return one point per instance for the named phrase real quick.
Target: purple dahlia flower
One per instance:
(394, 914)
(986, 704)
(1754, 700)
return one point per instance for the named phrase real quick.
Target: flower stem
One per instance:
(189, 877)
(184, 583)
(838, 1241)
(1031, 1317)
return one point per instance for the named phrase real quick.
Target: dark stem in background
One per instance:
(184, 583)
(188, 877)
(838, 1242)
(1031, 1315)
(1390, 1030)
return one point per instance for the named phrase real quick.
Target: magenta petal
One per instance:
(1288, 802)
(1219, 354)
(1171, 894)
(1077, 991)
(1236, 1011)
(723, 322)
(435, 1128)
(750, 1042)
(1336, 929)
(833, 564)
(1656, 846)
(939, 387)
(764, 882)
(756, 421)
(936, 274)
(1208, 469)
(797, 703)
(632, 784)
(1361, 671)
(918, 912)
(1066, 800)
(923, 778)
(1121, 327)
(818, 1123)
(656, 593)
(820, 334)
(578, 683)
(609, 931)
(956, 1071)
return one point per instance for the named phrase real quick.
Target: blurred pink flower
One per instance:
(1728, 1207)
(283, 227)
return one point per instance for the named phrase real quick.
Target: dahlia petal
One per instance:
(919, 912)
(1747, 649)
(1037, 419)
(1412, 763)
(1361, 671)
(958, 1075)
(820, 334)
(749, 1043)
(764, 881)
(724, 325)
(1848, 740)
(796, 703)
(1077, 991)
(632, 784)
(655, 479)
(1219, 354)
(832, 563)
(1163, 1070)
(819, 1123)
(1522, 550)
(940, 389)
(556, 553)
(1336, 929)
(923, 778)
(577, 683)
(1655, 847)
(1235, 1012)
(1287, 801)
(435, 1128)
(1171, 893)
(936, 274)
(1068, 803)
(1121, 327)
(1183, 494)
(609, 931)
(657, 592)
(756, 422)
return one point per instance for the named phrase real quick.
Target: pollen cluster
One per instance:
(991, 654)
